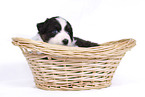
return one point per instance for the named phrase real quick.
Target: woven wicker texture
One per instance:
(57, 67)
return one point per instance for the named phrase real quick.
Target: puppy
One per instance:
(57, 30)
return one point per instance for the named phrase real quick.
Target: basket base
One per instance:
(74, 88)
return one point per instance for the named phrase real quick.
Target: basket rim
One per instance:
(121, 46)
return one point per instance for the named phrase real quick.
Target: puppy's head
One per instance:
(56, 30)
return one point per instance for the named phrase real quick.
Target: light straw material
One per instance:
(57, 67)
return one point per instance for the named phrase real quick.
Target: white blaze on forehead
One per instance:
(62, 22)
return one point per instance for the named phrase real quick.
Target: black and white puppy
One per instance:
(57, 30)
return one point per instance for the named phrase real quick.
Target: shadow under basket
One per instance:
(57, 67)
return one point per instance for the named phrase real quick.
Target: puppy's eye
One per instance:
(55, 32)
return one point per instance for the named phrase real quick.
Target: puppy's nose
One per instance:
(65, 41)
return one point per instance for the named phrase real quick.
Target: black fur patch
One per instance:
(84, 43)
(46, 29)
(68, 28)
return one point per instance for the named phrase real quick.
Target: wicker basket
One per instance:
(57, 67)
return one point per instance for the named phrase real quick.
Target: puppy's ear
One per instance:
(41, 26)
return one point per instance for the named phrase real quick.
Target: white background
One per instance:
(95, 20)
